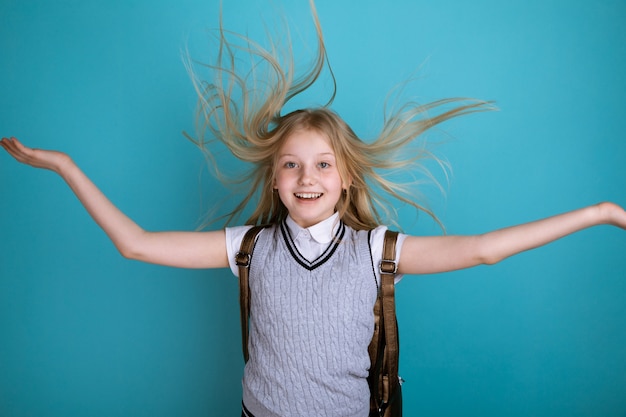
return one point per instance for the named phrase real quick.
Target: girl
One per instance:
(312, 276)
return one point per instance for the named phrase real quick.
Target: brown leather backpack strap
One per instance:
(388, 265)
(388, 269)
(242, 259)
(383, 349)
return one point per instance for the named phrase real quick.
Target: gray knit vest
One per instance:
(310, 327)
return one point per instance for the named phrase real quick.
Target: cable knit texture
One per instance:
(311, 323)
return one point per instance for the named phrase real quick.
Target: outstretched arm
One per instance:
(180, 249)
(427, 255)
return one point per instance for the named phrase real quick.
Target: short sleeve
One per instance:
(234, 237)
(377, 238)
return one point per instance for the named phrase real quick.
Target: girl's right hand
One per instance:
(37, 158)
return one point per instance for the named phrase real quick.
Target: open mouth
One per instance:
(308, 196)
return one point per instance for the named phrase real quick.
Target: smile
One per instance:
(308, 196)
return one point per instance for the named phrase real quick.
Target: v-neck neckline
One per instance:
(320, 260)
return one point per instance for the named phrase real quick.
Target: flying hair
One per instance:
(243, 111)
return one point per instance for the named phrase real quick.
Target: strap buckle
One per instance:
(387, 266)
(242, 259)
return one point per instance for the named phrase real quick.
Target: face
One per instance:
(307, 178)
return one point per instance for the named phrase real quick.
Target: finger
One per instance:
(8, 145)
(9, 140)
(17, 144)
(17, 150)
(5, 141)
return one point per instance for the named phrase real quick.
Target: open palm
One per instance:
(37, 158)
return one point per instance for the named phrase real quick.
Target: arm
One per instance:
(427, 255)
(180, 249)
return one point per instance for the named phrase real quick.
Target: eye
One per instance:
(324, 165)
(290, 165)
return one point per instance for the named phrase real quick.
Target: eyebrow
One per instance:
(319, 154)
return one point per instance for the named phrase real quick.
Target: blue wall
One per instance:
(85, 332)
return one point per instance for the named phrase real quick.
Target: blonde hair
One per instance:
(244, 113)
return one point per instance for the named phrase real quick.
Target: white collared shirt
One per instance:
(312, 241)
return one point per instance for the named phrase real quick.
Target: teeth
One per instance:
(308, 195)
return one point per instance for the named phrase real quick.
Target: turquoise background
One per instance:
(84, 332)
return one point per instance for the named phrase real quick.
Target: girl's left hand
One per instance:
(613, 214)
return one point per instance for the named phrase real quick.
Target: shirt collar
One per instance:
(322, 232)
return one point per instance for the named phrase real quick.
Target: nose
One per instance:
(308, 176)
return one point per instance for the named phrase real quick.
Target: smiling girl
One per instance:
(312, 278)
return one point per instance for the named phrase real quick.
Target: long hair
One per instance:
(243, 111)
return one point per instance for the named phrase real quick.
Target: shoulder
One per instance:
(377, 237)
(376, 240)
(234, 237)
